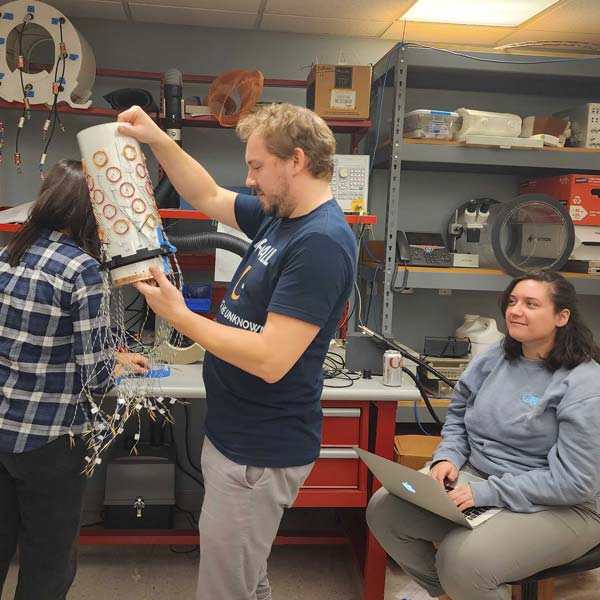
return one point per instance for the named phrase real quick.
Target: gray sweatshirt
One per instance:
(535, 433)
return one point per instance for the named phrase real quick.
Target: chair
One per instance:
(529, 585)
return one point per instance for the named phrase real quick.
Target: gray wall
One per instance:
(192, 50)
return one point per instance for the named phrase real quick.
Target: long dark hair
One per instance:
(63, 204)
(573, 343)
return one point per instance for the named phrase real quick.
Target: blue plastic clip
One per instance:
(55, 20)
(1, 75)
(8, 16)
(31, 8)
(73, 56)
(2, 40)
(166, 264)
(163, 243)
(61, 80)
(161, 370)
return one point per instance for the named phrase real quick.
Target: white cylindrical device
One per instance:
(122, 196)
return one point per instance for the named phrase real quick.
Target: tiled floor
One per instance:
(296, 573)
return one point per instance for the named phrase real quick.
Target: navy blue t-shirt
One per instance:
(303, 268)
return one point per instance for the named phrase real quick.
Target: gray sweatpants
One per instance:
(476, 564)
(242, 509)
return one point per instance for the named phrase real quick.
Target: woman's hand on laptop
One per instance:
(462, 496)
(444, 472)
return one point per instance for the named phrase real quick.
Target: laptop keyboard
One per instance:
(475, 511)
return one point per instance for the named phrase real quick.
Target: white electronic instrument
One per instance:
(585, 124)
(350, 181)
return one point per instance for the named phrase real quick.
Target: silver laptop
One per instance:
(419, 488)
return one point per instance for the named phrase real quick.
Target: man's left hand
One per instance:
(462, 496)
(162, 296)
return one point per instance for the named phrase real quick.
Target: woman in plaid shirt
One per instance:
(50, 295)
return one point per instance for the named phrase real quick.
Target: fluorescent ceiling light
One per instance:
(498, 13)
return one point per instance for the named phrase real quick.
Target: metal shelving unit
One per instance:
(458, 157)
(484, 280)
(406, 67)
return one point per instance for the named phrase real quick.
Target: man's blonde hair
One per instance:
(285, 127)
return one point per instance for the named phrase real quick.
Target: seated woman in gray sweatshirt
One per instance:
(525, 415)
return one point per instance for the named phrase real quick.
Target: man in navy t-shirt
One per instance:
(263, 366)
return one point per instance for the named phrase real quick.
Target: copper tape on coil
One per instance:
(129, 152)
(98, 196)
(100, 158)
(138, 206)
(113, 174)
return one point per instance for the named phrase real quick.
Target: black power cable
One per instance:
(424, 396)
(57, 88)
(334, 368)
(24, 89)
(188, 452)
(178, 462)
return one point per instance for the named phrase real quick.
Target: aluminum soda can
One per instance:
(392, 368)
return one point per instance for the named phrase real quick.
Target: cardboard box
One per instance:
(415, 450)
(542, 124)
(579, 193)
(339, 91)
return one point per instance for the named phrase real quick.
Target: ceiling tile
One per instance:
(91, 9)
(528, 35)
(241, 5)
(146, 13)
(373, 10)
(446, 33)
(581, 16)
(317, 26)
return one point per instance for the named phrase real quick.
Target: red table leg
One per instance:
(376, 558)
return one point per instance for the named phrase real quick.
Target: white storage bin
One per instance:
(429, 124)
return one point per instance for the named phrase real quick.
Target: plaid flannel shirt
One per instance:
(49, 342)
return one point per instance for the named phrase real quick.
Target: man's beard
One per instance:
(278, 206)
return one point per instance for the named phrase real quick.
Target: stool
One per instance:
(529, 585)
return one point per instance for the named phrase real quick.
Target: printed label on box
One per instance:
(343, 77)
(578, 213)
(343, 99)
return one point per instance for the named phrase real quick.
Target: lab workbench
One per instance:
(364, 415)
